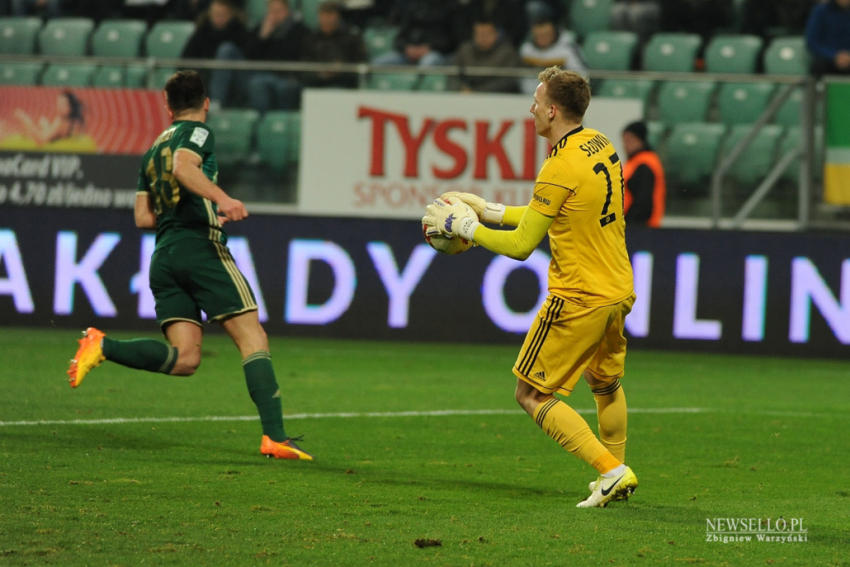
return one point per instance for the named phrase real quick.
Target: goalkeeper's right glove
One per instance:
(487, 212)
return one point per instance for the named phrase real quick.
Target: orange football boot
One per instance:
(283, 449)
(88, 356)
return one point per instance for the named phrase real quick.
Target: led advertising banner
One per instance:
(374, 154)
(784, 294)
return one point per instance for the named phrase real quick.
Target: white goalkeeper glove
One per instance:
(452, 217)
(487, 212)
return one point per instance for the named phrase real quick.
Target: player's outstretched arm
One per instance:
(518, 243)
(187, 170)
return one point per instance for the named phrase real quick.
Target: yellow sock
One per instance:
(611, 412)
(563, 424)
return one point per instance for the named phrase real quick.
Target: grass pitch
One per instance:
(103, 475)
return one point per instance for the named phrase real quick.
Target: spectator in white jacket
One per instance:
(548, 47)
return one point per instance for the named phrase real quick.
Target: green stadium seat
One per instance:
(167, 38)
(278, 139)
(255, 10)
(733, 54)
(789, 141)
(310, 13)
(68, 75)
(393, 81)
(65, 36)
(684, 101)
(15, 73)
(655, 133)
(789, 113)
(437, 83)
(610, 50)
(157, 78)
(787, 56)
(18, 35)
(378, 40)
(135, 76)
(118, 38)
(743, 103)
(690, 153)
(627, 88)
(234, 133)
(754, 164)
(590, 15)
(671, 52)
(110, 77)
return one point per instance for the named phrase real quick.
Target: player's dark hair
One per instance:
(568, 90)
(185, 90)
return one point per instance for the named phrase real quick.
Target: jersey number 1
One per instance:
(608, 218)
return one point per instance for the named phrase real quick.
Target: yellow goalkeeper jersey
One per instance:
(580, 184)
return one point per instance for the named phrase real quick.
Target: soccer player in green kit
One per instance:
(191, 268)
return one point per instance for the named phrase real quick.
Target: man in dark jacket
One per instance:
(828, 37)
(222, 23)
(428, 34)
(487, 48)
(334, 42)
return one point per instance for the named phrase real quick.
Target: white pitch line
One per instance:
(370, 414)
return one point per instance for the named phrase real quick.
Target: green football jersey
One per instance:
(180, 213)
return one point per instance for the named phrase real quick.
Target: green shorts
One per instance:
(191, 275)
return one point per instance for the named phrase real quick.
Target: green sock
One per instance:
(262, 386)
(145, 354)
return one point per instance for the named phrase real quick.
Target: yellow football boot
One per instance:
(88, 356)
(283, 449)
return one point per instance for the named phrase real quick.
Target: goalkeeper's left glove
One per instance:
(452, 217)
(487, 212)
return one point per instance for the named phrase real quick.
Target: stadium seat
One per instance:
(393, 81)
(787, 56)
(655, 133)
(68, 75)
(110, 76)
(671, 52)
(15, 73)
(18, 35)
(789, 141)
(753, 165)
(691, 152)
(437, 83)
(234, 133)
(118, 38)
(684, 101)
(65, 36)
(610, 50)
(378, 40)
(278, 139)
(733, 54)
(589, 15)
(255, 10)
(158, 76)
(627, 88)
(135, 76)
(310, 13)
(167, 38)
(743, 103)
(789, 113)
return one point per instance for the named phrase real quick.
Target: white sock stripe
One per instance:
(391, 414)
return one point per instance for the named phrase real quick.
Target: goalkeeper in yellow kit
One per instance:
(578, 201)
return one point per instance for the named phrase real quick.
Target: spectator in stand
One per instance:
(194, 9)
(508, 15)
(828, 37)
(427, 34)
(279, 37)
(222, 23)
(548, 47)
(639, 16)
(645, 189)
(487, 48)
(334, 42)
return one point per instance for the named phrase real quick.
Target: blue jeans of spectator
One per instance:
(270, 91)
(224, 83)
(398, 58)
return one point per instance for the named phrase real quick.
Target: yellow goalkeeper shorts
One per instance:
(566, 339)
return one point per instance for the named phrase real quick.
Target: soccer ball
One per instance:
(444, 244)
